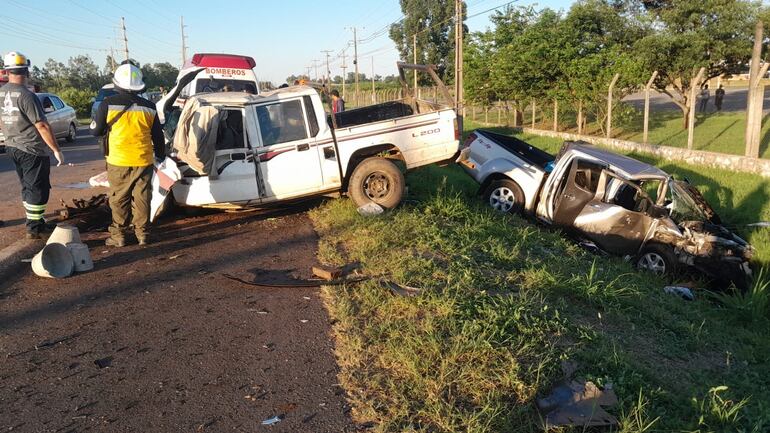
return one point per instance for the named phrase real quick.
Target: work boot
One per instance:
(115, 242)
(32, 235)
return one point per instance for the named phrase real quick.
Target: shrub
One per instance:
(78, 99)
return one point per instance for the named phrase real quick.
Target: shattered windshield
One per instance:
(687, 204)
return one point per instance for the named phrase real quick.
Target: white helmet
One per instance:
(128, 77)
(15, 60)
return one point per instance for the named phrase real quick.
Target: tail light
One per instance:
(468, 140)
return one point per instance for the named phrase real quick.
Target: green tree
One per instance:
(688, 35)
(433, 23)
(83, 74)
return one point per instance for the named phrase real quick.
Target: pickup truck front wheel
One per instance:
(504, 195)
(377, 180)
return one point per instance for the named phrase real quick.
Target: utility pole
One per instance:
(125, 39)
(308, 72)
(344, 73)
(355, 58)
(414, 52)
(374, 94)
(328, 71)
(459, 54)
(315, 65)
(184, 40)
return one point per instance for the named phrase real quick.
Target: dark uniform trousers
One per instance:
(130, 191)
(33, 172)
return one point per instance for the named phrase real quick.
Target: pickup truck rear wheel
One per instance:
(377, 180)
(505, 195)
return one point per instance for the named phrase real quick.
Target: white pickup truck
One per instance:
(622, 205)
(235, 149)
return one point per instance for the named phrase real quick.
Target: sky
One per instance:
(285, 38)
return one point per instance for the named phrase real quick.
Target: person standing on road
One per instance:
(338, 104)
(705, 94)
(719, 95)
(133, 133)
(27, 135)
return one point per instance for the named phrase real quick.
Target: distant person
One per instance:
(227, 88)
(27, 136)
(338, 104)
(162, 90)
(704, 98)
(719, 95)
(134, 134)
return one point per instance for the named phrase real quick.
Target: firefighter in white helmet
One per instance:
(133, 136)
(27, 138)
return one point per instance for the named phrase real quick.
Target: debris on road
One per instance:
(99, 180)
(684, 292)
(577, 404)
(53, 261)
(91, 214)
(370, 209)
(327, 274)
(295, 282)
(273, 420)
(104, 362)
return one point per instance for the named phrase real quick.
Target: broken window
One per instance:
(230, 133)
(627, 195)
(587, 175)
(281, 122)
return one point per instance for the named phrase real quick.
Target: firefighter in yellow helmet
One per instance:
(28, 136)
(134, 136)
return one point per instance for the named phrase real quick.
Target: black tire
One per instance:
(658, 259)
(71, 133)
(504, 195)
(376, 180)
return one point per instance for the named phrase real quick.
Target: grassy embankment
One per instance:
(503, 301)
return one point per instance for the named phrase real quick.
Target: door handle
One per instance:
(302, 147)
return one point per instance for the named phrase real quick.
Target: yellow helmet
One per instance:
(15, 60)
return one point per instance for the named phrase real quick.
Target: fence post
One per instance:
(486, 114)
(609, 105)
(473, 112)
(555, 115)
(754, 116)
(647, 105)
(533, 113)
(691, 119)
(580, 117)
(516, 116)
(499, 113)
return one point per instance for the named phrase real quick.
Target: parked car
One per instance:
(61, 117)
(624, 206)
(105, 91)
(238, 149)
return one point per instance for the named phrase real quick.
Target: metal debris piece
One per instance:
(577, 404)
(684, 292)
(296, 283)
(273, 420)
(370, 209)
(87, 214)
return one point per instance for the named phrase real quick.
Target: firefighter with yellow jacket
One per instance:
(134, 138)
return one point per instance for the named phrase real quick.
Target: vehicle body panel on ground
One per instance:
(281, 145)
(624, 206)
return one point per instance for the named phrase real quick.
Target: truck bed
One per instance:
(520, 148)
(373, 113)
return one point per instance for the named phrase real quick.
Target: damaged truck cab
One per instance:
(622, 205)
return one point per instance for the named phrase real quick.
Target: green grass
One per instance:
(504, 301)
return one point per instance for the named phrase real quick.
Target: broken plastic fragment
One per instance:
(370, 209)
(273, 420)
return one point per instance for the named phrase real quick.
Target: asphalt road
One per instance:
(735, 100)
(156, 339)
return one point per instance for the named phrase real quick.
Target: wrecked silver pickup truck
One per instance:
(624, 206)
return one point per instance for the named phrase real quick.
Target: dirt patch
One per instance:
(155, 339)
